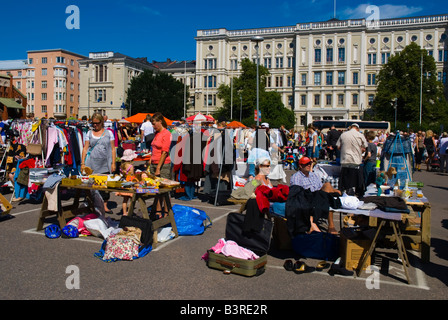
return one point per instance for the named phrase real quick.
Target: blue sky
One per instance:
(159, 30)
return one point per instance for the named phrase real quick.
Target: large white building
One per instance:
(105, 78)
(323, 70)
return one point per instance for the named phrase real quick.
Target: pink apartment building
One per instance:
(50, 80)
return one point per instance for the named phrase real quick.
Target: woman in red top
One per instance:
(160, 157)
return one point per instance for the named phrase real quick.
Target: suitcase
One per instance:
(248, 268)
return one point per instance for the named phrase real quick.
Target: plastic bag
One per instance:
(190, 221)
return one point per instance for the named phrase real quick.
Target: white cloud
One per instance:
(386, 11)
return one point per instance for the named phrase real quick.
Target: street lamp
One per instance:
(258, 39)
(241, 106)
(395, 107)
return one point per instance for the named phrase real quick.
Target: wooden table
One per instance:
(71, 211)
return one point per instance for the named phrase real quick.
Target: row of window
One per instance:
(57, 96)
(57, 108)
(341, 78)
(44, 60)
(329, 99)
(57, 84)
(211, 63)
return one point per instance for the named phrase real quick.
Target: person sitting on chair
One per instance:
(307, 179)
(262, 170)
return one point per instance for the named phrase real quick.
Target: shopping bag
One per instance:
(190, 221)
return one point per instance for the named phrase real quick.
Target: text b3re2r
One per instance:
(227, 309)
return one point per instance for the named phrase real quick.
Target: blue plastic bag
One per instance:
(190, 221)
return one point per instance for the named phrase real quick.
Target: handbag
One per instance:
(317, 245)
(34, 149)
(257, 241)
(190, 221)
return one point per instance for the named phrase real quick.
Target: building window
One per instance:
(44, 71)
(355, 99)
(44, 60)
(279, 62)
(44, 84)
(44, 108)
(328, 99)
(340, 99)
(279, 81)
(355, 77)
(371, 58)
(210, 99)
(268, 63)
(317, 99)
(341, 54)
(303, 79)
(100, 73)
(317, 78)
(370, 99)
(341, 77)
(100, 95)
(60, 60)
(303, 100)
(317, 55)
(371, 79)
(385, 57)
(44, 96)
(30, 61)
(290, 62)
(210, 64)
(329, 78)
(210, 81)
(329, 55)
(233, 64)
(268, 82)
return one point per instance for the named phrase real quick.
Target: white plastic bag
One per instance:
(350, 202)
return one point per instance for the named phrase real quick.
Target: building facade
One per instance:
(52, 83)
(12, 100)
(323, 70)
(105, 79)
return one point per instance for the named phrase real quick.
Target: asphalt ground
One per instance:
(33, 267)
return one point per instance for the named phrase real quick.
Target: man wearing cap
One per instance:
(307, 179)
(352, 145)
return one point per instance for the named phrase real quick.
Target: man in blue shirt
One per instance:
(307, 179)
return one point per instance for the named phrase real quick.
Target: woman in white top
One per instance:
(262, 170)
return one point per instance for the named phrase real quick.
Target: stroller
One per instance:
(435, 164)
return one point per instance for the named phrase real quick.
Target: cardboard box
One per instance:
(353, 250)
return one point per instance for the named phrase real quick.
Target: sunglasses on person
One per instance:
(96, 123)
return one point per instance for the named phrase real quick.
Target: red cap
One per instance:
(304, 160)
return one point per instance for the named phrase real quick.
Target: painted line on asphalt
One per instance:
(325, 273)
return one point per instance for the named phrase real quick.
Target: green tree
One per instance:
(400, 79)
(271, 107)
(157, 92)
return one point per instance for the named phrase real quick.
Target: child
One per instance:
(370, 159)
(127, 172)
